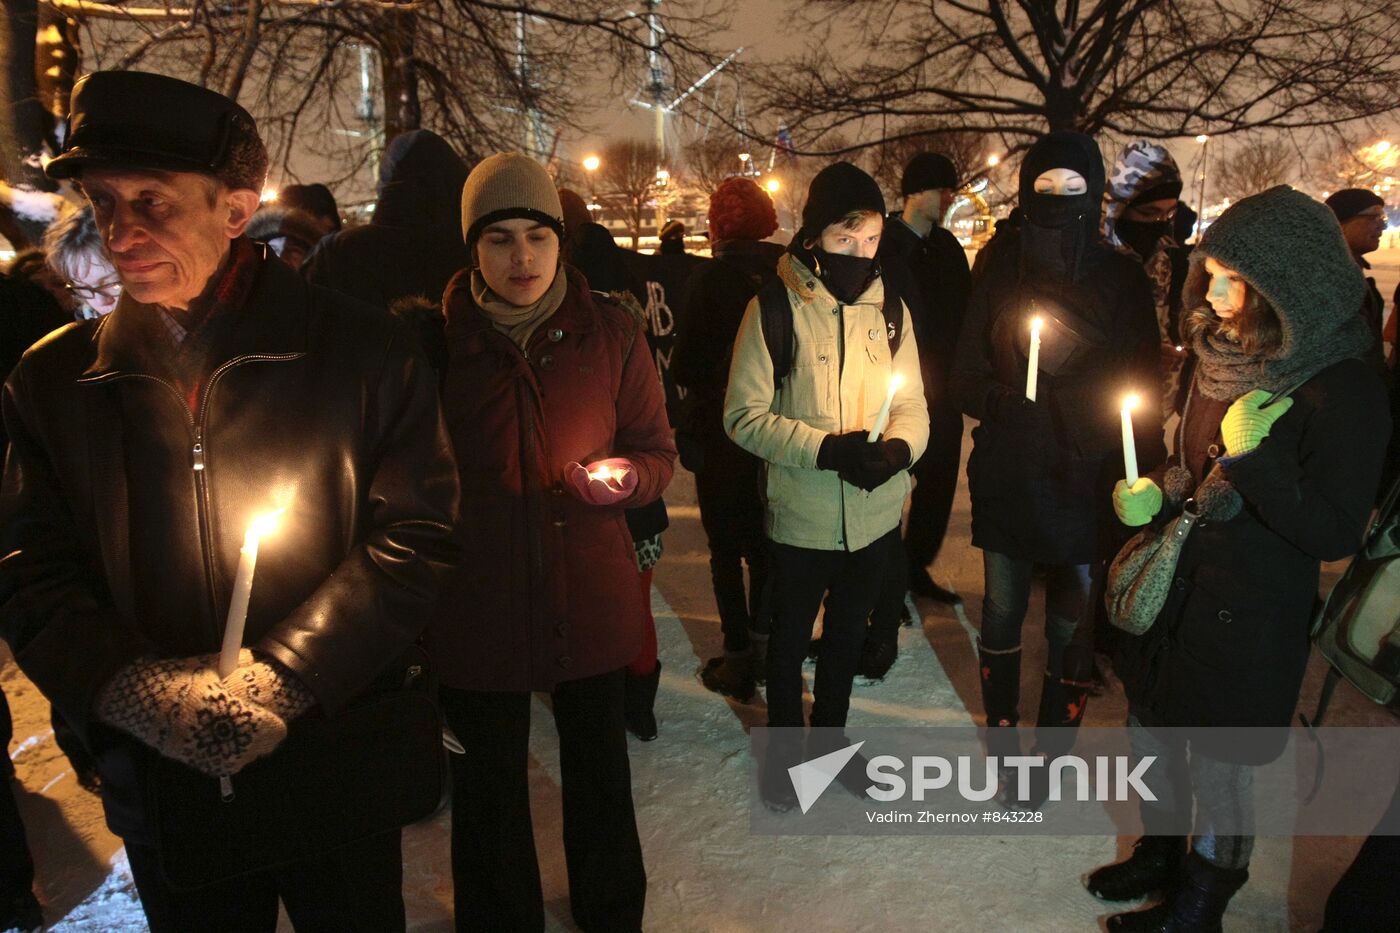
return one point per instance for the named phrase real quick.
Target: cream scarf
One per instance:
(517, 322)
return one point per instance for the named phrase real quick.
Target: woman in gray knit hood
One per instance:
(1290, 427)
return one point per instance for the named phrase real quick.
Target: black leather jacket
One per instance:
(123, 512)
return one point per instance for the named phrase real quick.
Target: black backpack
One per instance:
(775, 315)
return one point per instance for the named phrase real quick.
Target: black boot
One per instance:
(921, 584)
(638, 703)
(1001, 684)
(878, 656)
(1154, 867)
(731, 675)
(1196, 905)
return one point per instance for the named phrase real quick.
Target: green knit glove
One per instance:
(1246, 423)
(1138, 504)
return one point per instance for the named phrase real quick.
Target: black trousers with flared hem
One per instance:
(357, 889)
(495, 872)
(850, 581)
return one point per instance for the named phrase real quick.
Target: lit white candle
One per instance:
(1129, 445)
(882, 419)
(610, 477)
(1033, 363)
(243, 588)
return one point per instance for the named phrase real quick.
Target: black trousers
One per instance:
(495, 873)
(850, 581)
(16, 866)
(930, 505)
(731, 512)
(357, 889)
(936, 483)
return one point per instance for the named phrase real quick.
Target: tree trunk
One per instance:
(24, 125)
(398, 64)
(58, 60)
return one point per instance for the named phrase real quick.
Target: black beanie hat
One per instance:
(1063, 150)
(839, 189)
(928, 170)
(1349, 202)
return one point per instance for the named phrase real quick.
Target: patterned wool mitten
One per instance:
(180, 708)
(1246, 424)
(265, 682)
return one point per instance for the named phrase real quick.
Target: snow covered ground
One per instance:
(707, 873)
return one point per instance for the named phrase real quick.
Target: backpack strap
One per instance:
(775, 316)
(893, 310)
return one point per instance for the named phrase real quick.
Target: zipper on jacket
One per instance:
(841, 413)
(194, 426)
(201, 482)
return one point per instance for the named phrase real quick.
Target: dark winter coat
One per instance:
(122, 514)
(931, 275)
(27, 313)
(548, 589)
(1231, 645)
(718, 293)
(659, 283)
(1043, 494)
(413, 245)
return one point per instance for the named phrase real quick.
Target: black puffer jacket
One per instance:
(413, 245)
(1043, 495)
(122, 514)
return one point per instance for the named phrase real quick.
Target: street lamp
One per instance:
(590, 165)
(773, 185)
(1203, 139)
(744, 163)
(993, 161)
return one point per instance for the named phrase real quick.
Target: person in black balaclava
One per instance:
(833, 497)
(1041, 467)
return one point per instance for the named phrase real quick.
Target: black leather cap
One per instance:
(134, 119)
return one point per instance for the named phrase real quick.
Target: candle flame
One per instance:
(1035, 326)
(605, 473)
(896, 382)
(1131, 402)
(265, 524)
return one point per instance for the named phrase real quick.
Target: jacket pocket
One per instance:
(809, 385)
(1225, 632)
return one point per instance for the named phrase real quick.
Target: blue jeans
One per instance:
(1007, 586)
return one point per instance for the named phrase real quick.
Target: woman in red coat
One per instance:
(559, 425)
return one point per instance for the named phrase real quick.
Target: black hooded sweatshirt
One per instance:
(413, 245)
(1041, 474)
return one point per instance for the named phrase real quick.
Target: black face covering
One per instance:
(1141, 236)
(846, 277)
(1060, 229)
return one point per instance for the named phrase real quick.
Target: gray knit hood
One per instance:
(1289, 248)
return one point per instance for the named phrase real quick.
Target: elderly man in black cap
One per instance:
(142, 447)
(928, 267)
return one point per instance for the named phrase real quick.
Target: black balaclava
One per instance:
(1142, 236)
(1059, 229)
(837, 190)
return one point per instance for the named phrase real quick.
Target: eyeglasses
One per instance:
(88, 293)
(1150, 216)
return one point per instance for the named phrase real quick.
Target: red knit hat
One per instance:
(741, 210)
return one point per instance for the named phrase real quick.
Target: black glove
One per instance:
(1019, 415)
(879, 462)
(842, 452)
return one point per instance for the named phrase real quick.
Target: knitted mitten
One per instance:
(269, 684)
(180, 708)
(1246, 424)
(1137, 504)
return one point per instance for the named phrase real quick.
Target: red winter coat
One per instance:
(548, 589)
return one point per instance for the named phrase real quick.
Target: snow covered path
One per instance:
(707, 873)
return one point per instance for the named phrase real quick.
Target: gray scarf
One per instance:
(1226, 372)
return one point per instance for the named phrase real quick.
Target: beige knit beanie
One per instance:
(508, 185)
